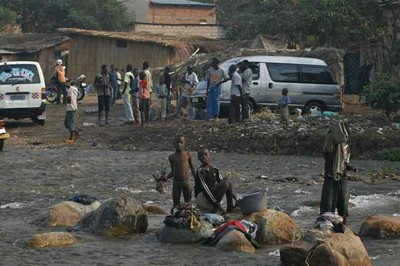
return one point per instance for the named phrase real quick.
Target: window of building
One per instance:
(122, 44)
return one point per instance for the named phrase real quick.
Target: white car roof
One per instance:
(20, 63)
(280, 59)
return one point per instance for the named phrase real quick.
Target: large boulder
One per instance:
(275, 227)
(328, 249)
(116, 217)
(170, 234)
(66, 213)
(53, 239)
(235, 241)
(380, 226)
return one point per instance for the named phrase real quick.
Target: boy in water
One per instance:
(181, 161)
(284, 106)
(209, 188)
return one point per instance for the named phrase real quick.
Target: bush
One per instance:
(390, 154)
(383, 94)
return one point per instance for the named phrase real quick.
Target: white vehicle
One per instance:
(310, 82)
(22, 91)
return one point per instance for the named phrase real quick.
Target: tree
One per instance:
(7, 17)
(48, 15)
(308, 22)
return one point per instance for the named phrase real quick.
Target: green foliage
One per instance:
(48, 15)
(308, 22)
(383, 94)
(390, 154)
(7, 16)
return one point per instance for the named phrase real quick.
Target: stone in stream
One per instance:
(116, 217)
(153, 208)
(275, 227)
(170, 234)
(326, 248)
(235, 241)
(66, 213)
(53, 239)
(380, 226)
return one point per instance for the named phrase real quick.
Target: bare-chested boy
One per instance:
(181, 162)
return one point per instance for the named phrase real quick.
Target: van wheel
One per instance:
(1, 144)
(41, 122)
(314, 106)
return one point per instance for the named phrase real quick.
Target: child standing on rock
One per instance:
(283, 105)
(181, 162)
(72, 106)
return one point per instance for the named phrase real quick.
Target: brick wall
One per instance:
(181, 15)
(209, 31)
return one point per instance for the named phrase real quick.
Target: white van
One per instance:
(22, 91)
(310, 83)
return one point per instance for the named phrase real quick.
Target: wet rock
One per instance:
(53, 239)
(275, 227)
(153, 208)
(328, 249)
(235, 241)
(182, 235)
(66, 213)
(116, 217)
(380, 226)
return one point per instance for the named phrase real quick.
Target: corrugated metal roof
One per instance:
(181, 3)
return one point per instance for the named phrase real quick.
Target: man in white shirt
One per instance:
(236, 95)
(72, 106)
(247, 77)
(126, 96)
(190, 82)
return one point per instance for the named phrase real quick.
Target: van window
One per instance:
(317, 74)
(19, 74)
(255, 68)
(283, 72)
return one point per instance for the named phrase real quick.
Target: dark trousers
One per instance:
(335, 196)
(245, 106)
(178, 188)
(224, 188)
(62, 89)
(234, 109)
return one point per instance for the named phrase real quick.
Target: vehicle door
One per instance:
(258, 80)
(319, 85)
(280, 76)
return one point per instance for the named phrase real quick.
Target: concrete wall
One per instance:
(181, 15)
(209, 31)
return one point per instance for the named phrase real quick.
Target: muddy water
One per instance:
(35, 180)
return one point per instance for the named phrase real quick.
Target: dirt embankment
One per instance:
(263, 134)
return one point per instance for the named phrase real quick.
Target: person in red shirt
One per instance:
(144, 96)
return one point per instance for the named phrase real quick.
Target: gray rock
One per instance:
(324, 248)
(53, 239)
(66, 213)
(183, 235)
(235, 241)
(116, 217)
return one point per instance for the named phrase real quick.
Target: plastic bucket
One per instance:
(252, 202)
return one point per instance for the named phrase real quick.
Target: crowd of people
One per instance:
(136, 88)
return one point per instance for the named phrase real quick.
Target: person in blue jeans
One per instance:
(215, 77)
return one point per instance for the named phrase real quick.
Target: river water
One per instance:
(31, 181)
